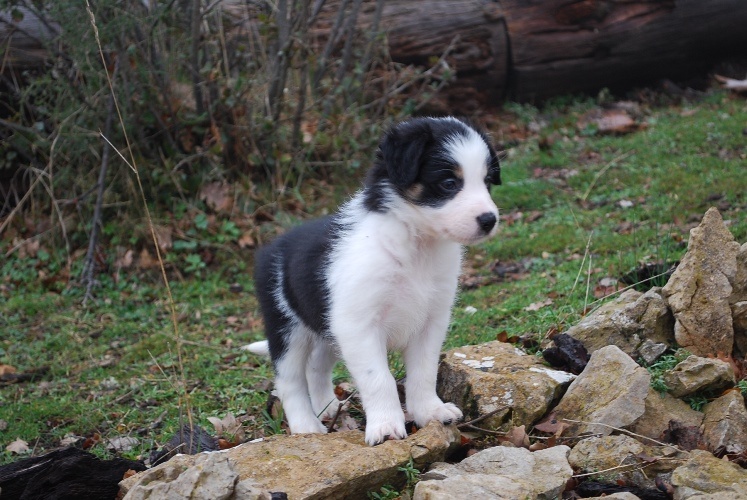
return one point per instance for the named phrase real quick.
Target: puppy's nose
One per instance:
(486, 221)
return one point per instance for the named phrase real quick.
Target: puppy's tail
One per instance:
(262, 348)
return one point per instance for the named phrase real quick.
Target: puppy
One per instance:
(380, 274)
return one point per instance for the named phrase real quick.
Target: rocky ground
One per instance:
(600, 424)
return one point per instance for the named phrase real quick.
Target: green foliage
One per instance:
(663, 365)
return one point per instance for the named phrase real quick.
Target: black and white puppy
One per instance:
(380, 274)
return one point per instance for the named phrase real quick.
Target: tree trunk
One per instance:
(24, 35)
(527, 50)
(566, 46)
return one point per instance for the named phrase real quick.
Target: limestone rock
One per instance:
(626, 322)
(611, 390)
(660, 410)
(616, 496)
(699, 290)
(696, 373)
(725, 423)
(650, 351)
(705, 476)
(337, 465)
(499, 473)
(497, 376)
(739, 285)
(208, 475)
(739, 318)
(610, 452)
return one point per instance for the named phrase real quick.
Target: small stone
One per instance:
(695, 374)
(725, 423)
(650, 351)
(609, 453)
(499, 473)
(704, 476)
(496, 377)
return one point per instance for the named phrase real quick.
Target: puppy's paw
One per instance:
(308, 426)
(446, 413)
(378, 430)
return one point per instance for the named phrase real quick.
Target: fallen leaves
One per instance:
(536, 306)
(229, 429)
(19, 446)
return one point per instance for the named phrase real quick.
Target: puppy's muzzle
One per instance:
(486, 222)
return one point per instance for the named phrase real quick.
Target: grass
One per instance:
(578, 207)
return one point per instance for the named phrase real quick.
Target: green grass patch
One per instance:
(576, 209)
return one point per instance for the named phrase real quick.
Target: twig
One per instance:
(88, 263)
(480, 429)
(666, 445)
(480, 418)
(337, 415)
(633, 467)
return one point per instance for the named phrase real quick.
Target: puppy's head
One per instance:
(443, 168)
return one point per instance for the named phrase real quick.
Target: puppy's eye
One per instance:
(449, 184)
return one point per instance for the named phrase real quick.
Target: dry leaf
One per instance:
(126, 260)
(122, 443)
(217, 196)
(7, 369)
(536, 306)
(246, 241)
(518, 437)
(163, 237)
(18, 446)
(228, 427)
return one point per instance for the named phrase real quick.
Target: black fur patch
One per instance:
(412, 153)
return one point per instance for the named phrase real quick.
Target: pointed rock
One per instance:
(611, 390)
(700, 288)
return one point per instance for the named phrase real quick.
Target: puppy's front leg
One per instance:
(366, 359)
(421, 361)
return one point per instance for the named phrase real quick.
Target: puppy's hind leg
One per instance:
(291, 384)
(319, 377)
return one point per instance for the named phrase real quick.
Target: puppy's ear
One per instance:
(402, 151)
(494, 167)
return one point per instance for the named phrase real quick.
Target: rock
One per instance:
(611, 390)
(704, 476)
(725, 423)
(695, 374)
(499, 377)
(567, 354)
(660, 410)
(606, 454)
(700, 288)
(650, 351)
(336, 465)
(208, 475)
(499, 473)
(626, 322)
(738, 301)
(616, 496)
(739, 319)
(739, 285)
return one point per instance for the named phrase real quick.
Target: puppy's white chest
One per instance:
(384, 283)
